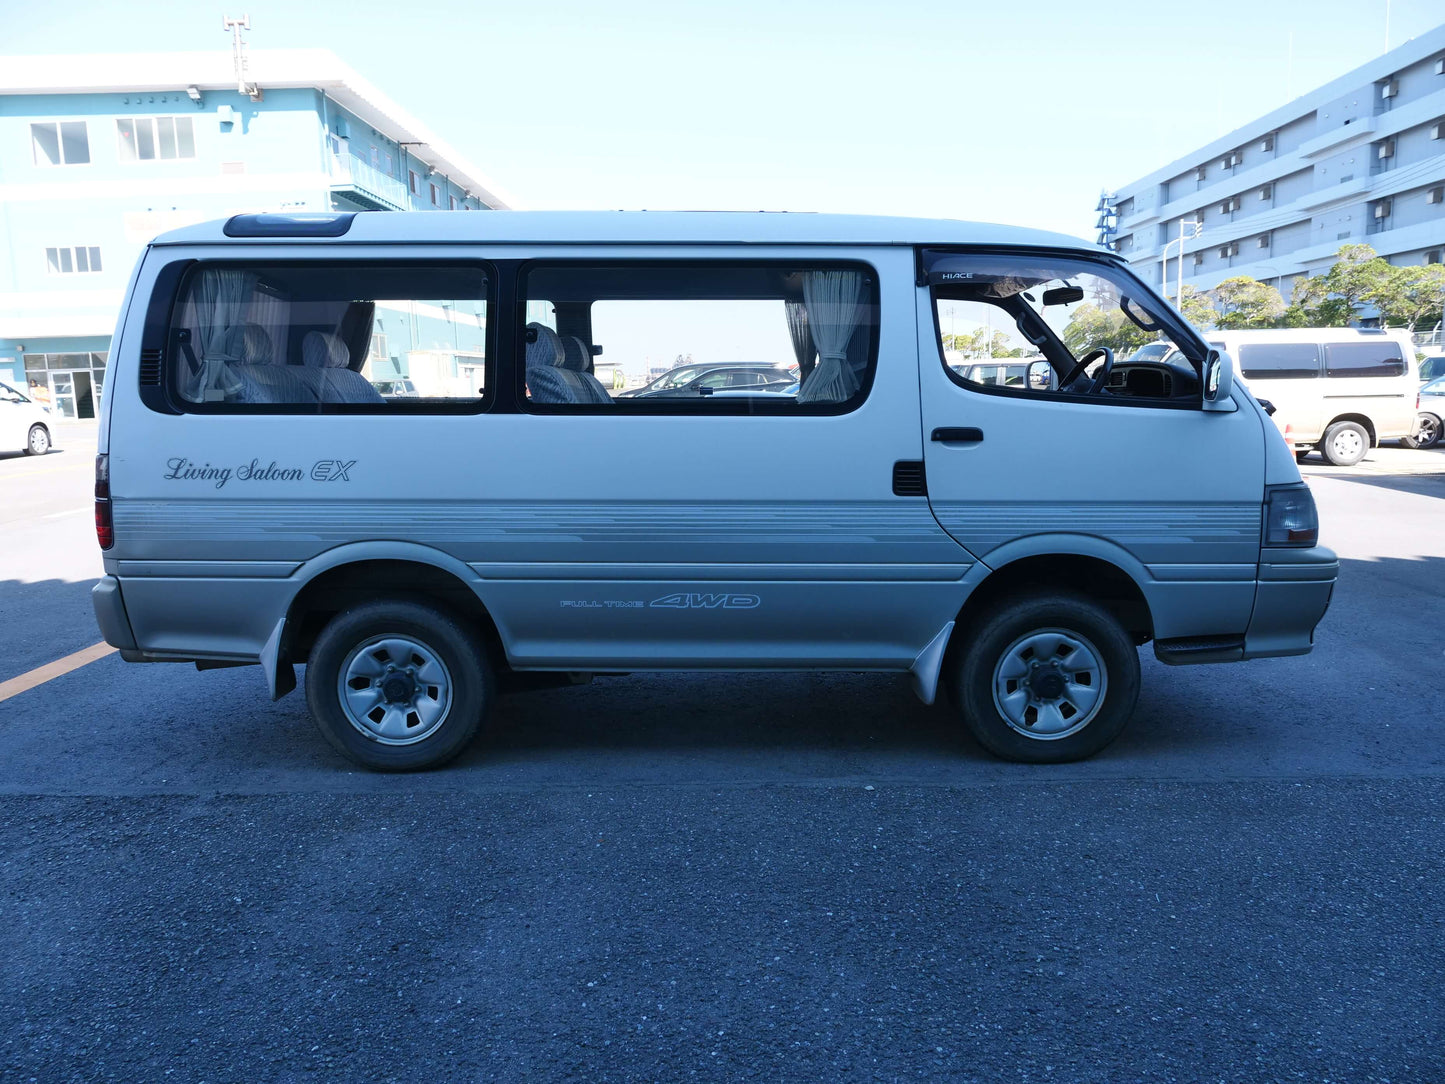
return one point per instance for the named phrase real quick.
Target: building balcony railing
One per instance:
(361, 181)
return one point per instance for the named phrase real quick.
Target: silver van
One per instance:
(258, 500)
(1336, 389)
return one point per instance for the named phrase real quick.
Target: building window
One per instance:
(65, 143)
(1267, 192)
(143, 139)
(1263, 240)
(413, 182)
(1436, 195)
(451, 203)
(1433, 256)
(1437, 131)
(1201, 173)
(1267, 144)
(434, 201)
(79, 260)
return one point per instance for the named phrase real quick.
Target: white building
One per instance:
(1361, 159)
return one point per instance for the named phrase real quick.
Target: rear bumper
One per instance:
(110, 614)
(1293, 593)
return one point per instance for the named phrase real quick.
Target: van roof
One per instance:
(661, 227)
(1306, 334)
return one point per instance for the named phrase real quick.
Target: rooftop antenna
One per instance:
(238, 54)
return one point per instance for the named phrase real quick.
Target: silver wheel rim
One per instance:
(1347, 444)
(1049, 684)
(1427, 431)
(395, 690)
(39, 442)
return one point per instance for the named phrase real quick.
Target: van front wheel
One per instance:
(1048, 679)
(1345, 443)
(397, 686)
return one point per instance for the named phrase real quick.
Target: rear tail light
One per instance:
(1290, 518)
(104, 527)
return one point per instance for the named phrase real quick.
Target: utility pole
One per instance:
(238, 55)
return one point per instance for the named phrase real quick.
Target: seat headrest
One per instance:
(576, 354)
(323, 350)
(544, 348)
(249, 344)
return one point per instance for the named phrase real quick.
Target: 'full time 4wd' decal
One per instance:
(681, 600)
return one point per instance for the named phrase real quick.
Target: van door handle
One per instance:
(958, 436)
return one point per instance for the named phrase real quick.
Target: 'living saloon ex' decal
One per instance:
(182, 469)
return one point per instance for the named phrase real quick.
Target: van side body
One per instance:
(912, 522)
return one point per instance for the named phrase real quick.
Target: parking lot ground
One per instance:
(765, 877)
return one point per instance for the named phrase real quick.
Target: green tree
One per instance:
(1407, 295)
(979, 344)
(1312, 306)
(1330, 300)
(1244, 302)
(1091, 327)
(1196, 307)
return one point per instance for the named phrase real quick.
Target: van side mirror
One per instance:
(1218, 380)
(1042, 377)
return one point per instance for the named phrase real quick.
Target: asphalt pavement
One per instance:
(758, 877)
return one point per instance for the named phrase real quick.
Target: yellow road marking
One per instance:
(51, 670)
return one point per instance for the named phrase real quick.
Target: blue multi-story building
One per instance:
(1360, 159)
(98, 154)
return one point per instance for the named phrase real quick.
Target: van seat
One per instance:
(548, 378)
(324, 379)
(576, 358)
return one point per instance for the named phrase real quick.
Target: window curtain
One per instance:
(803, 348)
(834, 312)
(220, 298)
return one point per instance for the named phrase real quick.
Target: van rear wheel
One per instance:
(1345, 443)
(396, 685)
(1048, 678)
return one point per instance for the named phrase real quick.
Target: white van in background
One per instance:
(1338, 390)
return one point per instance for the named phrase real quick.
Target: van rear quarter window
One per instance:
(298, 337)
(1280, 361)
(1364, 359)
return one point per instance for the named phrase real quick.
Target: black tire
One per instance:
(1426, 434)
(467, 683)
(1345, 443)
(37, 441)
(1083, 621)
(1301, 454)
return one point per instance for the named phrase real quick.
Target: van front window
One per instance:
(1062, 326)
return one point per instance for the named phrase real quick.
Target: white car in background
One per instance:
(24, 423)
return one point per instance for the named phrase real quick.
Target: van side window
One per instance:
(1363, 359)
(1038, 325)
(1279, 361)
(334, 337)
(653, 337)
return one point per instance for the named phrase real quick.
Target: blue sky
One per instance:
(1015, 112)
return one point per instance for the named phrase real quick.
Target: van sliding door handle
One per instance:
(958, 436)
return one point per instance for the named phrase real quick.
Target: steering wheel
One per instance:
(1101, 380)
